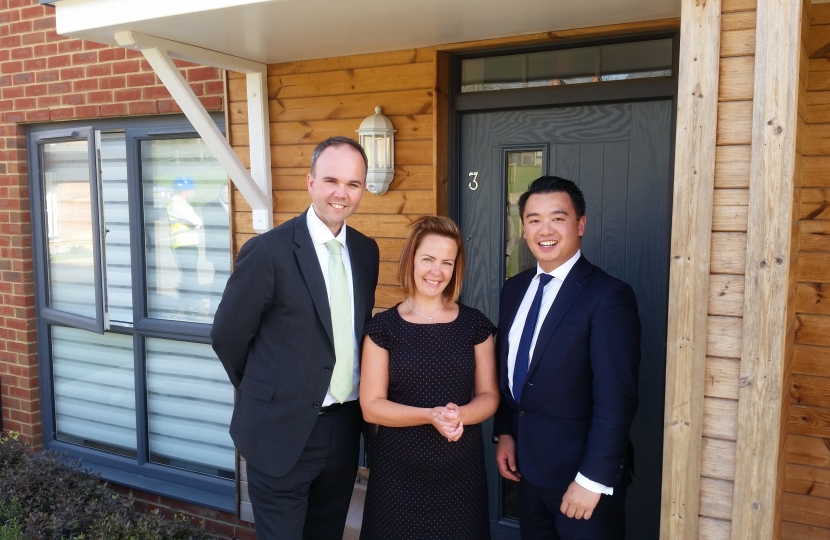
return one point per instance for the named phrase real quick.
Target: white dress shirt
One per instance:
(515, 335)
(320, 234)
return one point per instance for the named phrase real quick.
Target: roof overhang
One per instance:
(272, 31)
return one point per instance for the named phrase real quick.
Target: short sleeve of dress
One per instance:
(482, 327)
(378, 330)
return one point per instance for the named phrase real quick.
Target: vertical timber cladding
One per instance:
(315, 99)
(805, 492)
(768, 267)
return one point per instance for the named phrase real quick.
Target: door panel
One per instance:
(619, 155)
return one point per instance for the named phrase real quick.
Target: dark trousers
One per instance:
(541, 519)
(311, 501)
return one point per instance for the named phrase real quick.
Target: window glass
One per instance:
(190, 403)
(523, 166)
(94, 389)
(113, 166)
(187, 226)
(68, 198)
(568, 66)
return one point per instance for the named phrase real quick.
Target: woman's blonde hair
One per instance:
(423, 227)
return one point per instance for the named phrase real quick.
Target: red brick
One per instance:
(72, 73)
(19, 3)
(141, 79)
(14, 92)
(61, 114)
(59, 88)
(183, 63)
(73, 99)
(142, 107)
(114, 109)
(31, 39)
(23, 78)
(43, 24)
(48, 76)
(52, 35)
(130, 94)
(167, 106)
(49, 49)
(104, 96)
(111, 83)
(36, 90)
(4, 55)
(32, 12)
(87, 111)
(60, 61)
(128, 66)
(109, 55)
(198, 88)
(21, 52)
(25, 103)
(6, 105)
(69, 46)
(85, 85)
(202, 74)
(20, 27)
(91, 45)
(10, 41)
(11, 67)
(5, 80)
(47, 102)
(133, 54)
(211, 103)
(9, 16)
(215, 87)
(156, 92)
(98, 70)
(85, 57)
(34, 64)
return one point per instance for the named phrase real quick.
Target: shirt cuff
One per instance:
(592, 486)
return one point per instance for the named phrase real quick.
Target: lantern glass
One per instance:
(366, 143)
(380, 152)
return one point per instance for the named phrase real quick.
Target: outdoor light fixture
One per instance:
(377, 138)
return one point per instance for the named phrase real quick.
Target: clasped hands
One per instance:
(447, 420)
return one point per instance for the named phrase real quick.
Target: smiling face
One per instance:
(551, 228)
(337, 185)
(434, 265)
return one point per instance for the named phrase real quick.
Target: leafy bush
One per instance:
(44, 498)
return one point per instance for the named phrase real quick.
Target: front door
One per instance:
(620, 156)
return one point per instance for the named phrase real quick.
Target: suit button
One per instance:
(317, 404)
(622, 466)
(328, 368)
(521, 413)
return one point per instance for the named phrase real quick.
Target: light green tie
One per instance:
(341, 324)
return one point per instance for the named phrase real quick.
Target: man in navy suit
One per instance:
(569, 353)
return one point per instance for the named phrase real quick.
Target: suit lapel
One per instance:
(312, 273)
(571, 288)
(358, 283)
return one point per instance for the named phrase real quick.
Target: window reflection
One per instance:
(186, 218)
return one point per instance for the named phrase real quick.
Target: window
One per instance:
(132, 252)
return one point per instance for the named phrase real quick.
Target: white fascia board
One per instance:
(80, 15)
(254, 186)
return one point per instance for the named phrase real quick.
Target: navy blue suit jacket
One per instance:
(581, 391)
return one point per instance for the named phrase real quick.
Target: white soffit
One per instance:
(271, 31)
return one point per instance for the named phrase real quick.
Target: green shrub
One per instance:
(42, 497)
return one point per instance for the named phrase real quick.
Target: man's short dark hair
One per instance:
(554, 184)
(337, 141)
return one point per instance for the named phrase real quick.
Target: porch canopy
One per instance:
(246, 35)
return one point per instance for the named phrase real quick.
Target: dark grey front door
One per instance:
(619, 155)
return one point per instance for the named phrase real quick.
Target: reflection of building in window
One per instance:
(53, 228)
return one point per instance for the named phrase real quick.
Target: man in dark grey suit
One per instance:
(288, 331)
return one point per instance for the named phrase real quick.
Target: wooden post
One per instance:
(694, 173)
(778, 38)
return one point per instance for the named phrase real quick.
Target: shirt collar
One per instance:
(320, 233)
(562, 271)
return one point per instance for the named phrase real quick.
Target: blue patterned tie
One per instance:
(523, 354)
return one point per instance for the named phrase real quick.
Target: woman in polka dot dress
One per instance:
(428, 380)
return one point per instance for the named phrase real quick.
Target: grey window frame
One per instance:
(137, 472)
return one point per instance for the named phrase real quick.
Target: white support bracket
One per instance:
(254, 186)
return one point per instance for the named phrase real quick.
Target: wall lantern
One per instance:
(377, 138)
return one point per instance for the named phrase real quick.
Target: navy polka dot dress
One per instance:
(422, 486)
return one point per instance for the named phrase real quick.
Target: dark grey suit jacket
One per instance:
(273, 334)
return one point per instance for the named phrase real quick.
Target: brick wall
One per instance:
(45, 77)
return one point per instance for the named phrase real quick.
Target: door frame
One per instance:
(664, 88)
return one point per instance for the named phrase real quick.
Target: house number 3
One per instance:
(474, 183)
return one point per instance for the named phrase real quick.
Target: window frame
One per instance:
(138, 472)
